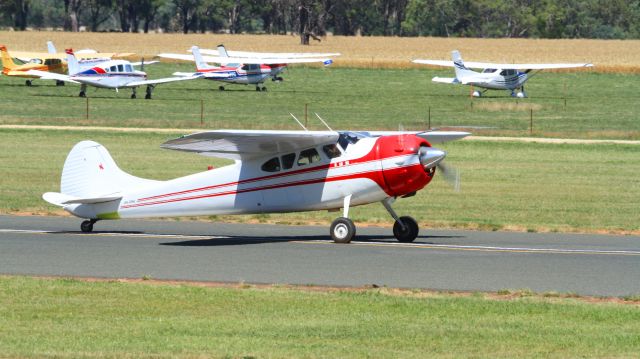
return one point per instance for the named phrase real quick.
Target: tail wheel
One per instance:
(342, 230)
(86, 226)
(409, 232)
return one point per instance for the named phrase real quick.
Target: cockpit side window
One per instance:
(288, 160)
(128, 68)
(332, 151)
(488, 71)
(510, 72)
(308, 156)
(272, 165)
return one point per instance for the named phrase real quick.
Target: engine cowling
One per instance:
(408, 163)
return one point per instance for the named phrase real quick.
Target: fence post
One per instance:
(87, 109)
(306, 106)
(429, 117)
(531, 121)
(201, 112)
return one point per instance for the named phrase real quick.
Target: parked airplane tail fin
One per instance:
(72, 62)
(50, 48)
(461, 70)
(200, 63)
(7, 62)
(222, 51)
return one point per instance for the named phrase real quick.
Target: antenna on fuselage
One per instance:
(299, 123)
(321, 120)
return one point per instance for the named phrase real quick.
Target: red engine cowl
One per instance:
(401, 169)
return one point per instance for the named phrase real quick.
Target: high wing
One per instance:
(248, 60)
(431, 136)
(488, 65)
(45, 75)
(28, 56)
(207, 75)
(139, 63)
(248, 144)
(270, 55)
(446, 80)
(163, 80)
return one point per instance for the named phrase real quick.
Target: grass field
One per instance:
(597, 105)
(67, 318)
(367, 52)
(522, 186)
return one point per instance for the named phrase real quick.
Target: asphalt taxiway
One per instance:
(584, 264)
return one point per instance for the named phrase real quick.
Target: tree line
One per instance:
(604, 19)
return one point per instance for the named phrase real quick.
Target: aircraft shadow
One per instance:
(247, 240)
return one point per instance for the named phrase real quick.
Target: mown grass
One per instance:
(71, 318)
(523, 186)
(597, 105)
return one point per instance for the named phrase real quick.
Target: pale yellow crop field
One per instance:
(379, 52)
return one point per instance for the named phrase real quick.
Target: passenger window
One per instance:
(114, 69)
(273, 165)
(308, 156)
(128, 68)
(331, 150)
(120, 68)
(287, 160)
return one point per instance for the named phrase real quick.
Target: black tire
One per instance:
(82, 94)
(221, 88)
(410, 231)
(147, 96)
(342, 230)
(59, 83)
(258, 88)
(133, 95)
(264, 89)
(28, 83)
(86, 226)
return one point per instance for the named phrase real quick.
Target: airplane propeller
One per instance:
(451, 175)
(433, 157)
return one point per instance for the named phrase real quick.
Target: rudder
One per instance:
(7, 62)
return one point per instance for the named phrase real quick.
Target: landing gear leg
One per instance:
(83, 90)
(342, 229)
(149, 90)
(405, 229)
(133, 92)
(87, 226)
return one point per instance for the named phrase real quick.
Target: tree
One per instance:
(187, 13)
(99, 11)
(17, 11)
(71, 9)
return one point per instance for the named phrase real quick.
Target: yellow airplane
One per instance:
(18, 63)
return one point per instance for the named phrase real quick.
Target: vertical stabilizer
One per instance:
(72, 62)
(50, 48)
(200, 64)
(7, 62)
(90, 171)
(461, 70)
(222, 51)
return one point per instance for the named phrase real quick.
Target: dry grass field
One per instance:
(620, 56)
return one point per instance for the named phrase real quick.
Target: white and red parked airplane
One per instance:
(274, 171)
(252, 68)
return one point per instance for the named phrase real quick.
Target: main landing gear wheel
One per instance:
(82, 94)
(477, 94)
(87, 226)
(133, 95)
(59, 83)
(409, 232)
(221, 88)
(28, 83)
(342, 230)
(258, 88)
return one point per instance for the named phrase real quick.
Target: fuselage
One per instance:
(246, 74)
(497, 79)
(318, 178)
(109, 74)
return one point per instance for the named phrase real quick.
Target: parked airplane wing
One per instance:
(446, 80)
(45, 75)
(212, 74)
(270, 55)
(248, 60)
(488, 65)
(247, 144)
(163, 80)
(431, 136)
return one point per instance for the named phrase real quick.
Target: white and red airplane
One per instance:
(247, 68)
(274, 171)
(112, 74)
(509, 77)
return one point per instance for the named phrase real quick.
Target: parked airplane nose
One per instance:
(430, 157)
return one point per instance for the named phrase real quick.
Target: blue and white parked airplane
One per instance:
(111, 74)
(493, 76)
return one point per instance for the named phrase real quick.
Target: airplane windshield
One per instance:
(348, 138)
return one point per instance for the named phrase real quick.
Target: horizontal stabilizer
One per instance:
(60, 199)
(446, 80)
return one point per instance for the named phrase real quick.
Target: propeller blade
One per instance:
(451, 175)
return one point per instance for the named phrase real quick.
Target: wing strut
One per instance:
(324, 123)
(299, 123)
